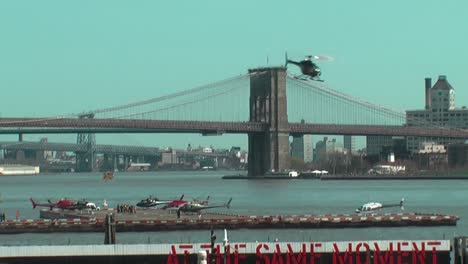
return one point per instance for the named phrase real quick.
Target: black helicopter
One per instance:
(151, 202)
(308, 67)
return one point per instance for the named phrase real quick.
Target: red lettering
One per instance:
(301, 257)
(260, 256)
(314, 255)
(205, 246)
(401, 254)
(419, 254)
(388, 258)
(172, 258)
(434, 255)
(348, 255)
(238, 256)
(186, 253)
(358, 252)
(277, 257)
(218, 254)
(227, 254)
(185, 246)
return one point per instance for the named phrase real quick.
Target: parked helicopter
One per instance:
(196, 207)
(151, 202)
(65, 203)
(308, 68)
(373, 206)
(175, 204)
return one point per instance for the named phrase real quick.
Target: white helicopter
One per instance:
(373, 206)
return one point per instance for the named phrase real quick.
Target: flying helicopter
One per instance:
(308, 68)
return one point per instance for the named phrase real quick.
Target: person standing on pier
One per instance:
(3, 217)
(17, 215)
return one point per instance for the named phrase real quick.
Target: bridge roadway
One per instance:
(108, 125)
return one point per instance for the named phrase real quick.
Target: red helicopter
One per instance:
(63, 203)
(180, 202)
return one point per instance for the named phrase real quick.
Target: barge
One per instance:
(161, 220)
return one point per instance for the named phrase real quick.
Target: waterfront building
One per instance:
(439, 111)
(169, 157)
(380, 147)
(302, 147)
(431, 147)
(375, 144)
(458, 155)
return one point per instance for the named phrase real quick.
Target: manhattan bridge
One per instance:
(267, 104)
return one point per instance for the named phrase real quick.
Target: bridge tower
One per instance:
(86, 161)
(268, 150)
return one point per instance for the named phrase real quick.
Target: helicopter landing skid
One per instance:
(307, 78)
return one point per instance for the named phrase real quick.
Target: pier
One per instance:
(161, 220)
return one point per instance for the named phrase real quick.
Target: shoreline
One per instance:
(347, 177)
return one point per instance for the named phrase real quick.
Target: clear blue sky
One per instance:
(59, 57)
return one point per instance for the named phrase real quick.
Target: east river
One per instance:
(252, 197)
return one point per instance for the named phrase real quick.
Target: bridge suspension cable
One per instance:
(217, 87)
(332, 106)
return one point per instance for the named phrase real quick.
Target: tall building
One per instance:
(302, 147)
(308, 148)
(381, 146)
(349, 143)
(439, 111)
(375, 144)
(325, 147)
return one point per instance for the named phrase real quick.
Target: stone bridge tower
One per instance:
(268, 150)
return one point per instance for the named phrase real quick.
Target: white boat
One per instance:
(6, 170)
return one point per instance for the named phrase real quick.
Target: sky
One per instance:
(60, 57)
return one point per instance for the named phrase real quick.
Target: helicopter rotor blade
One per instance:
(321, 57)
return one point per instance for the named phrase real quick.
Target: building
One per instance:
(349, 143)
(379, 147)
(302, 147)
(325, 147)
(169, 157)
(431, 147)
(458, 155)
(439, 111)
(375, 144)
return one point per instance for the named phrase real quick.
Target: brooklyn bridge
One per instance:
(267, 104)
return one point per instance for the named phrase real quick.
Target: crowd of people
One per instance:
(125, 208)
(3, 216)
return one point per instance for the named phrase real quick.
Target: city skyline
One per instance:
(60, 58)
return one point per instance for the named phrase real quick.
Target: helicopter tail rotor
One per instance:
(286, 59)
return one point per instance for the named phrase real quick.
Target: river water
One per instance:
(253, 197)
